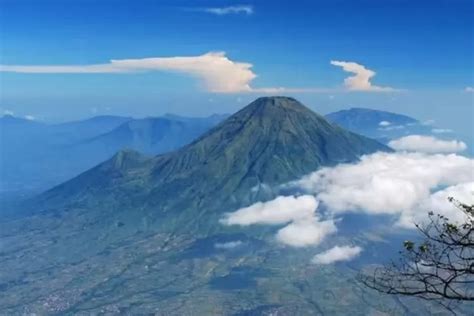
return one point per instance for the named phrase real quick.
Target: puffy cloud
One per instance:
(306, 232)
(384, 123)
(30, 117)
(438, 203)
(281, 210)
(304, 227)
(8, 112)
(228, 245)
(427, 144)
(360, 81)
(217, 72)
(337, 253)
(469, 89)
(237, 9)
(388, 183)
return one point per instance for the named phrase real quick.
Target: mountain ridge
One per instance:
(271, 141)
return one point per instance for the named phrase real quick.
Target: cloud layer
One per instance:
(337, 253)
(360, 81)
(405, 185)
(427, 144)
(401, 184)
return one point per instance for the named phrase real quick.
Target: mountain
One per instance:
(271, 141)
(71, 132)
(33, 153)
(7, 121)
(38, 156)
(357, 118)
(214, 118)
(139, 235)
(380, 125)
(15, 128)
(150, 135)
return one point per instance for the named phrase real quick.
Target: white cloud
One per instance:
(384, 123)
(427, 144)
(228, 245)
(306, 232)
(469, 89)
(237, 9)
(304, 227)
(438, 201)
(8, 112)
(441, 130)
(439, 204)
(30, 117)
(281, 210)
(360, 81)
(389, 183)
(337, 253)
(215, 70)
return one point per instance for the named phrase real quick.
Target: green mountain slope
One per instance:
(271, 141)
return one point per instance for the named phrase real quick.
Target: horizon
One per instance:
(164, 115)
(371, 65)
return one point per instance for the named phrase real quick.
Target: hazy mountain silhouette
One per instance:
(37, 156)
(380, 125)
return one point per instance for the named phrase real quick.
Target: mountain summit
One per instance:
(271, 141)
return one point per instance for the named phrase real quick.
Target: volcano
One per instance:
(141, 235)
(271, 141)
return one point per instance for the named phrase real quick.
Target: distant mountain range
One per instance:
(381, 125)
(386, 126)
(36, 156)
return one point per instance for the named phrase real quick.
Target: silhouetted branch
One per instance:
(440, 268)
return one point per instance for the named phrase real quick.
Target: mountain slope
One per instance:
(355, 118)
(149, 135)
(271, 141)
(37, 156)
(71, 132)
(380, 125)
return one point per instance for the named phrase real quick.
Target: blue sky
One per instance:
(421, 49)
